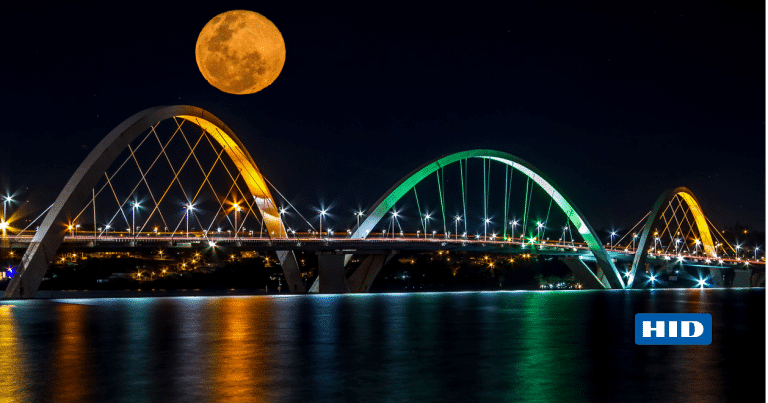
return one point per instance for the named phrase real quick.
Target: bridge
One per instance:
(178, 176)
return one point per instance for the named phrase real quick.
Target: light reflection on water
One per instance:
(513, 346)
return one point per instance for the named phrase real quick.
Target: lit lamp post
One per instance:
(426, 217)
(485, 228)
(394, 217)
(756, 249)
(737, 251)
(539, 226)
(71, 228)
(282, 225)
(677, 246)
(322, 214)
(236, 207)
(187, 208)
(358, 214)
(134, 206)
(613, 234)
(456, 226)
(697, 243)
(564, 230)
(634, 237)
(6, 200)
(513, 224)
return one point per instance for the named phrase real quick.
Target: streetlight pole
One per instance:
(188, 207)
(426, 217)
(613, 234)
(134, 205)
(485, 228)
(236, 208)
(539, 226)
(513, 224)
(358, 214)
(456, 226)
(756, 249)
(282, 226)
(6, 199)
(322, 214)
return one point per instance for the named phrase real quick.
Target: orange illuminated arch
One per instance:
(77, 193)
(641, 253)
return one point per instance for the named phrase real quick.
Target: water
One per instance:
(488, 346)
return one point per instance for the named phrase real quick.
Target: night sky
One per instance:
(615, 102)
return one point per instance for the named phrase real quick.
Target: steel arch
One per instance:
(396, 192)
(76, 193)
(653, 219)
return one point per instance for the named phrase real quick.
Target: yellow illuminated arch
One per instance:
(661, 204)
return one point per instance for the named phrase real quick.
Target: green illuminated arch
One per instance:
(394, 194)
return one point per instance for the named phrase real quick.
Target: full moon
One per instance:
(240, 52)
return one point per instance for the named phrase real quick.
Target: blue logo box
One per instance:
(673, 328)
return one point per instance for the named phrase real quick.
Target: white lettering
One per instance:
(672, 328)
(659, 329)
(698, 328)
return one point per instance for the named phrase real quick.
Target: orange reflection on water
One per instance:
(11, 369)
(72, 359)
(239, 355)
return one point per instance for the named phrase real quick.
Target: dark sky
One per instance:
(614, 101)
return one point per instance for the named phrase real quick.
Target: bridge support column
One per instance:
(331, 278)
(584, 274)
(291, 271)
(716, 277)
(742, 278)
(361, 280)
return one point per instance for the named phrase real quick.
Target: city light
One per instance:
(702, 283)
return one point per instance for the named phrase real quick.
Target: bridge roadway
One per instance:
(373, 245)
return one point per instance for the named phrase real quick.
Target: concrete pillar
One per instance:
(716, 277)
(362, 278)
(584, 274)
(331, 277)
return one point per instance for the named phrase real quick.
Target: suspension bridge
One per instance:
(177, 176)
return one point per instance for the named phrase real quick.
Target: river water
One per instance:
(540, 346)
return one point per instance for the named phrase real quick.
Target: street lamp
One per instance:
(134, 206)
(697, 242)
(394, 217)
(456, 227)
(756, 249)
(634, 237)
(282, 225)
(426, 217)
(358, 214)
(564, 231)
(187, 208)
(106, 229)
(613, 234)
(322, 214)
(737, 251)
(236, 207)
(539, 226)
(513, 224)
(6, 200)
(485, 228)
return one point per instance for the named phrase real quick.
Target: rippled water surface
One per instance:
(462, 347)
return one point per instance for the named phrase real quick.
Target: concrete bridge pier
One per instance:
(332, 280)
(585, 275)
(716, 277)
(362, 278)
(330, 274)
